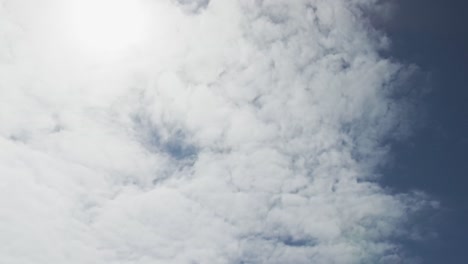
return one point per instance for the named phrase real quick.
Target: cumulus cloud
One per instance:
(237, 132)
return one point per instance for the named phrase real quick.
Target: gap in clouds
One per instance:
(432, 35)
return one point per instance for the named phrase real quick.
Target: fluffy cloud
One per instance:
(237, 132)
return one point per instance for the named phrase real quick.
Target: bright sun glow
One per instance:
(107, 26)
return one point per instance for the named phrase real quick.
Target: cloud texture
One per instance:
(238, 132)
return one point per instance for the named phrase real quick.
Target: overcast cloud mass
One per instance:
(235, 132)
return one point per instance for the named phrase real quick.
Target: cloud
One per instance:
(239, 132)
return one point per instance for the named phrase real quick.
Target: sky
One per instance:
(433, 35)
(209, 131)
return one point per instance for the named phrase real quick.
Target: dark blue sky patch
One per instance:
(176, 145)
(297, 242)
(178, 148)
(433, 35)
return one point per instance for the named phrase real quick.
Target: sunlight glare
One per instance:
(107, 26)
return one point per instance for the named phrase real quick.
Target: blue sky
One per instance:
(433, 35)
(197, 131)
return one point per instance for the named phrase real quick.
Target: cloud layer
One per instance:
(238, 132)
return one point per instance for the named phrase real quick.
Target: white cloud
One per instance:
(238, 132)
